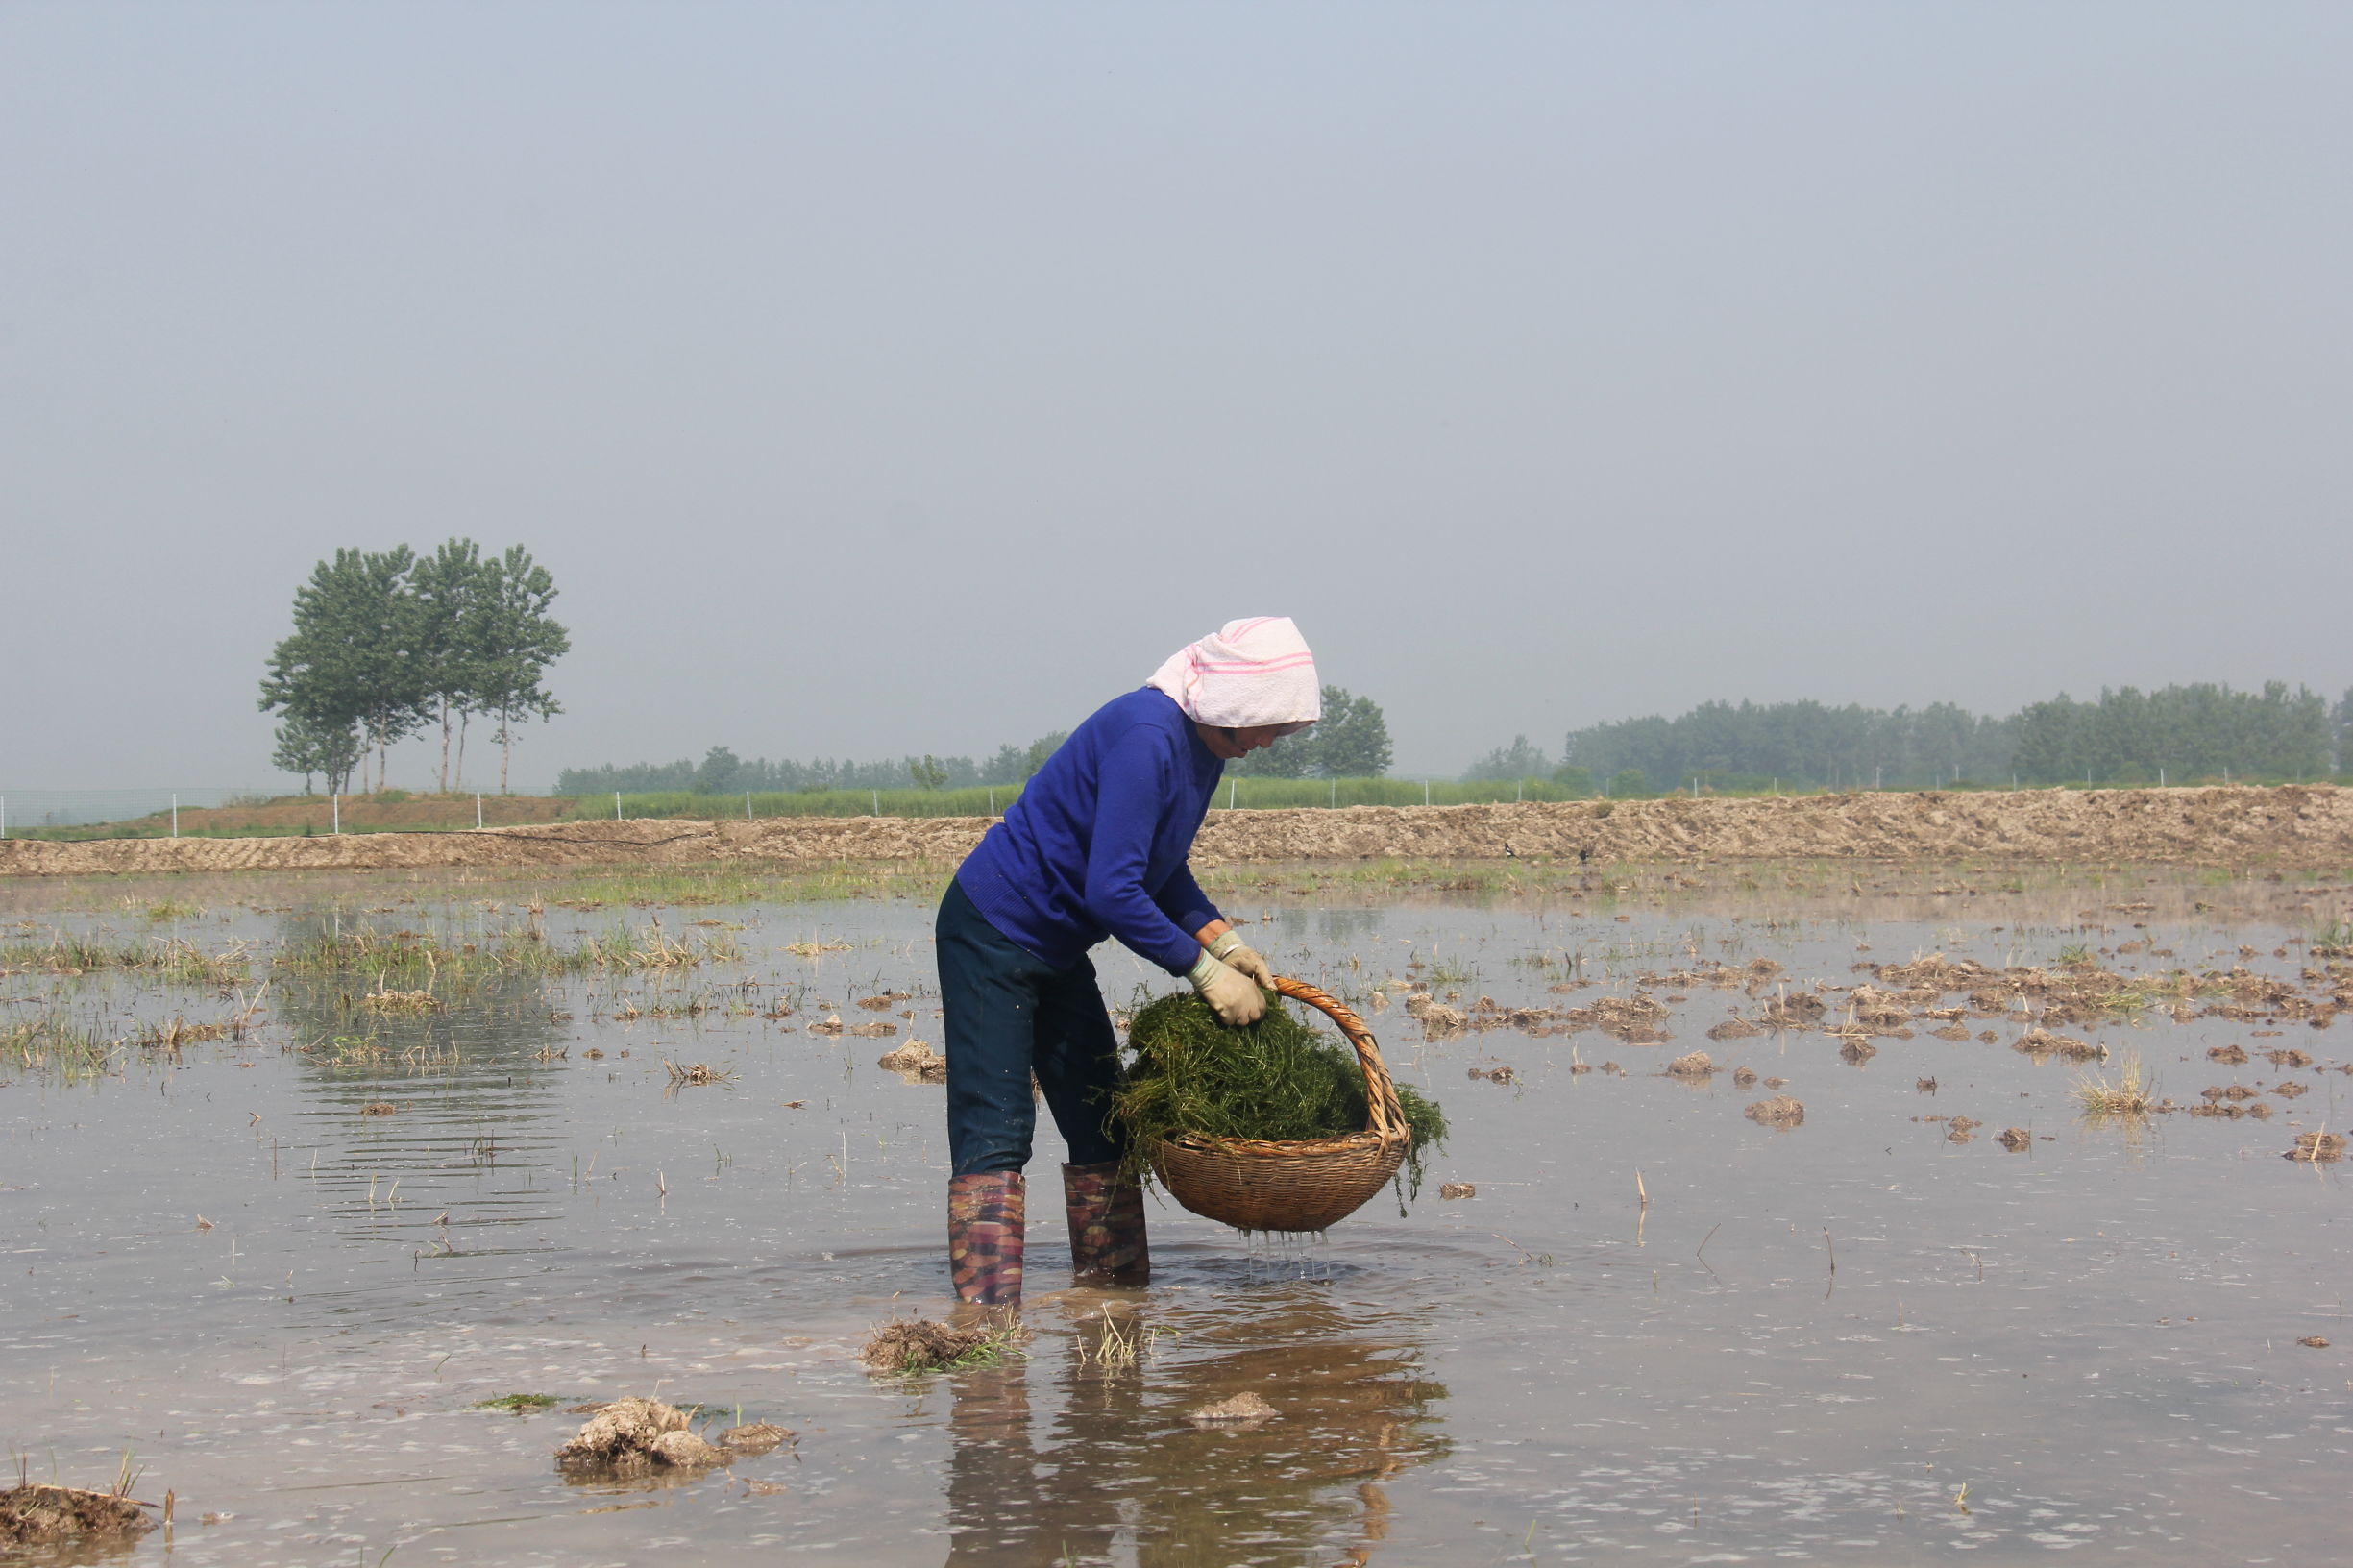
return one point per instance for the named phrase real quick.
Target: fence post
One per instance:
(1335, 794)
(1425, 791)
(1232, 784)
(335, 811)
(992, 800)
(748, 806)
(4, 815)
(477, 808)
(175, 816)
(876, 796)
(616, 805)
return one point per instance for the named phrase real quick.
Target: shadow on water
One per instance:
(1114, 1456)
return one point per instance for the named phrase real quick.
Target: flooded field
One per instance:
(299, 1174)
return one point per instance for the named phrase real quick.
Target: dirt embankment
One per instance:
(2290, 825)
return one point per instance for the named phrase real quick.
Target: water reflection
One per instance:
(1117, 1456)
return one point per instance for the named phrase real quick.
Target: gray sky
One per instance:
(879, 379)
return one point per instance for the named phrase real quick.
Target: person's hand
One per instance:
(1232, 995)
(1239, 955)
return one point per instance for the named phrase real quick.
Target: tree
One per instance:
(351, 658)
(930, 774)
(1352, 739)
(308, 747)
(447, 587)
(722, 773)
(1630, 784)
(1574, 780)
(1521, 759)
(1041, 750)
(511, 640)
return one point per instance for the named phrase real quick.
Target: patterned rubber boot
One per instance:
(984, 1238)
(1107, 1234)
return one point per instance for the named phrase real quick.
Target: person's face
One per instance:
(1235, 744)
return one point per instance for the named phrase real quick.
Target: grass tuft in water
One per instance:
(2132, 1093)
(1276, 1080)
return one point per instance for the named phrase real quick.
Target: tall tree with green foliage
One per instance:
(511, 639)
(1521, 759)
(446, 586)
(306, 746)
(352, 659)
(1350, 740)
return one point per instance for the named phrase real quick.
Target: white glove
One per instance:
(1229, 994)
(1238, 955)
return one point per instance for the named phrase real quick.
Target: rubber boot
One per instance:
(984, 1238)
(1107, 1233)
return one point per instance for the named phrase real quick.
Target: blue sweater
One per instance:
(1095, 845)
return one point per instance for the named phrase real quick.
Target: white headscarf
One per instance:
(1245, 674)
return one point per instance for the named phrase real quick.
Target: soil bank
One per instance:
(2285, 825)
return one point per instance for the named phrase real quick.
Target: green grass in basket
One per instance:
(1277, 1079)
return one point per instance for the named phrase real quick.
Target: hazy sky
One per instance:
(877, 379)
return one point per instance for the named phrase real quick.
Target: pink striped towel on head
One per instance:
(1245, 674)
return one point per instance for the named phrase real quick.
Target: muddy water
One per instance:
(1659, 1331)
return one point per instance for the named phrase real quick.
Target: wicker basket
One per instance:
(1299, 1185)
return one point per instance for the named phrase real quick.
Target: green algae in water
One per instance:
(1278, 1080)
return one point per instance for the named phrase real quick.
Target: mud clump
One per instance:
(1800, 1010)
(2041, 1044)
(1962, 1129)
(1459, 1190)
(753, 1437)
(34, 1515)
(916, 1062)
(1744, 1077)
(1237, 1410)
(633, 1434)
(1637, 1020)
(2318, 1148)
(1734, 1028)
(2314, 1342)
(1693, 1065)
(1780, 1110)
(2230, 1056)
(918, 1345)
(2017, 1140)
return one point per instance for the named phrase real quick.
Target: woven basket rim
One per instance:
(1293, 1148)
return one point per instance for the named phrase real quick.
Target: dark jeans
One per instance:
(1007, 1015)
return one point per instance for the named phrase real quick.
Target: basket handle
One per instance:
(1386, 1117)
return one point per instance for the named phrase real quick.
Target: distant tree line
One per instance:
(1352, 741)
(720, 771)
(389, 643)
(2126, 735)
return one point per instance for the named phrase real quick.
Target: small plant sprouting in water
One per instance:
(519, 1403)
(2132, 1093)
(2074, 952)
(908, 1346)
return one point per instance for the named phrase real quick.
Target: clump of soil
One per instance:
(1744, 1077)
(753, 1437)
(1950, 1031)
(34, 1515)
(1497, 1075)
(883, 1003)
(918, 1345)
(879, 1029)
(2230, 1056)
(1854, 1048)
(1459, 1190)
(2318, 1148)
(1799, 1011)
(2041, 1044)
(1277, 1080)
(1780, 1110)
(1637, 1020)
(2313, 1342)
(1239, 1410)
(1962, 1129)
(2017, 1140)
(1438, 1020)
(1734, 1028)
(917, 1062)
(1692, 1064)
(2292, 1059)
(379, 1108)
(637, 1434)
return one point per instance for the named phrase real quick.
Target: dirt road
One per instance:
(2290, 825)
